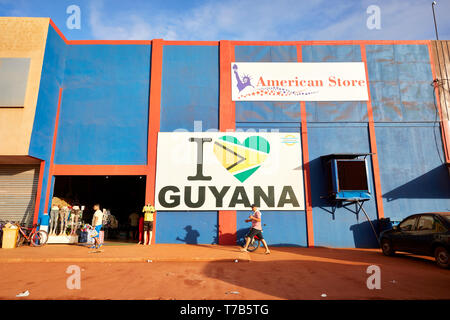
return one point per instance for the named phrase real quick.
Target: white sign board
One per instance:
(301, 81)
(229, 171)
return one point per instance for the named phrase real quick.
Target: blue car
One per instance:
(423, 234)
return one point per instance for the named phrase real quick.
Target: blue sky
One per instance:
(277, 20)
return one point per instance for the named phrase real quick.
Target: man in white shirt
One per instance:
(97, 222)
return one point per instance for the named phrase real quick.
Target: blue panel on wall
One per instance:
(263, 111)
(345, 111)
(104, 110)
(280, 228)
(190, 88)
(400, 83)
(44, 120)
(413, 176)
(187, 227)
(343, 228)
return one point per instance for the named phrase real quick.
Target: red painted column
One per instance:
(51, 164)
(154, 123)
(305, 165)
(373, 142)
(227, 114)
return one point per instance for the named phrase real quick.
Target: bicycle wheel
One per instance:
(20, 240)
(39, 238)
(254, 245)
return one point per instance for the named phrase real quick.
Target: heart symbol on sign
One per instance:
(241, 159)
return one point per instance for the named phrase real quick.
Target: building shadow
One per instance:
(434, 184)
(191, 237)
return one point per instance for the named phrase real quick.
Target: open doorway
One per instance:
(120, 195)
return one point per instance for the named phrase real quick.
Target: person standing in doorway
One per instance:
(133, 220)
(255, 230)
(148, 211)
(97, 222)
(141, 228)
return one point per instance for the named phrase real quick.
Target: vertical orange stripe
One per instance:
(39, 192)
(55, 134)
(373, 141)
(444, 125)
(226, 219)
(154, 123)
(306, 169)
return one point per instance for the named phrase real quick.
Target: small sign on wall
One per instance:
(13, 81)
(291, 81)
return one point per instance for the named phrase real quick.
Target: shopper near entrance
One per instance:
(97, 222)
(255, 230)
(149, 212)
(133, 220)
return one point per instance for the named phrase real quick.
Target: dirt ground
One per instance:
(294, 274)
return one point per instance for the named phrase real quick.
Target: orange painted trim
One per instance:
(306, 168)
(444, 124)
(190, 43)
(109, 42)
(39, 192)
(55, 134)
(373, 141)
(99, 170)
(58, 31)
(326, 42)
(227, 122)
(154, 119)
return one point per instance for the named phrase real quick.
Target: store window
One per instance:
(13, 81)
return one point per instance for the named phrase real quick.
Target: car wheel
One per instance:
(386, 247)
(442, 257)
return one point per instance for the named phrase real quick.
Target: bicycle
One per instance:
(254, 244)
(36, 238)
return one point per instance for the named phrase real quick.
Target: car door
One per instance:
(402, 240)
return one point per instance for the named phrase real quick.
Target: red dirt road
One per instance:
(288, 273)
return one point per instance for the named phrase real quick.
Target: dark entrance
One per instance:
(121, 195)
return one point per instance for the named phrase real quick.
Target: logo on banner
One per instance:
(267, 88)
(241, 159)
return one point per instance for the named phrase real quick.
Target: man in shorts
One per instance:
(148, 211)
(255, 230)
(97, 222)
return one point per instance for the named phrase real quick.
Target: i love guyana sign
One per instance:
(209, 171)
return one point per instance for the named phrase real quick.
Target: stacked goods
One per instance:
(60, 202)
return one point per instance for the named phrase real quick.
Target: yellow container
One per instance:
(9, 240)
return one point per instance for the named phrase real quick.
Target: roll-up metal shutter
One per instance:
(18, 188)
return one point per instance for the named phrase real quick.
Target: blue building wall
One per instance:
(104, 120)
(104, 112)
(52, 78)
(282, 228)
(189, 93)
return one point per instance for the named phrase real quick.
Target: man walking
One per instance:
(97, 223)
(255, 230)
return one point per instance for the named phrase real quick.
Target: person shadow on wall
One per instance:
(191, 236)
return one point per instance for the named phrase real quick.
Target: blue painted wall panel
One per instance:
(190, 88)
(400, 83)
(187, 227)
(344, 228)
(413, 177)
(264, 111)
(47, 104)
(345, 111)
(104, 111)
(280, 228)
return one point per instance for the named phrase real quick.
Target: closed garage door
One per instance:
(18, 188)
